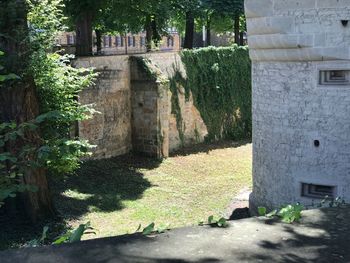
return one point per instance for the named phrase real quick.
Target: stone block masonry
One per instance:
(150, 116)
(301, 94)
(110, 130)
(135, 110)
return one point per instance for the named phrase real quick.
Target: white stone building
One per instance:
(301, 100)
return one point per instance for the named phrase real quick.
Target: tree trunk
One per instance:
(208, 32)
(99, 41)
(19, 101)
(84, 34)
(149, 33)
(189, 34)
(241, 38)
(236, 29)
(155, 35)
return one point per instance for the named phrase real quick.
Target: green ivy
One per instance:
(220, 82)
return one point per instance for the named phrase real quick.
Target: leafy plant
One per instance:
(56, 147)
(148, 229)
(331, 202)
(218, 222)
(75, 235)
(151, 229)
(68, 237)
(262, 211)
(288, 214)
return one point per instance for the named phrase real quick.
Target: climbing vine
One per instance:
(220, 82)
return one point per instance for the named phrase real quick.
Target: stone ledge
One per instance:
(322, 236)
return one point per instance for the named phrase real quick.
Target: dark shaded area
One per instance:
(329, 243)
(240, 213)
(17, 230)
(102, 184)
(207, 147)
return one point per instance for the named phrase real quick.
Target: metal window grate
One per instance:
(318, 191)
(334, 77)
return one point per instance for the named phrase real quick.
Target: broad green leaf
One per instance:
(262, 211)
(272, 213)
(62, 239)
(79, 232)
(149, 229)
(222, 222)
(211, 219)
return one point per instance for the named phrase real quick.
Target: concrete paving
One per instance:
(322, 236)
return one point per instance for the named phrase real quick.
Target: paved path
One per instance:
(323, 236)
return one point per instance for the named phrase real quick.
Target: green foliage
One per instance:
(217, 222)
(148, 229)
(151, 229)
(69, 237)
(220, 82)
(75, 235)
(58, 85)
(331, 202)
(262, 211)
(288, 214)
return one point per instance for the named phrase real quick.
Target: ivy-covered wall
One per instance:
(220, 82)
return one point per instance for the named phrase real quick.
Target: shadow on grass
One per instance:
(97, 186)
(102, 185)
(207, 147)
(17, 231)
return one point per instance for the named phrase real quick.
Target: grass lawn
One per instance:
(119, 194)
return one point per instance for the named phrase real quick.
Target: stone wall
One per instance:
(110, 130)
(135, 111)
(193, 127)
(301, 124)
(150, 116)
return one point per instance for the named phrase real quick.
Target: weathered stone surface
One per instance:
(112, 130)
(291, 109)
(323, 236)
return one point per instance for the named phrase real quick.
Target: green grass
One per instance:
(117, 195)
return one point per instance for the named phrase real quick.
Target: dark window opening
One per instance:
(318, 191)
(334, 77)
(143, 41)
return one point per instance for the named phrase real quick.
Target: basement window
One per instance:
(318, 191)
(334, 77)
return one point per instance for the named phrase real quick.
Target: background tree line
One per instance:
(154, 17)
